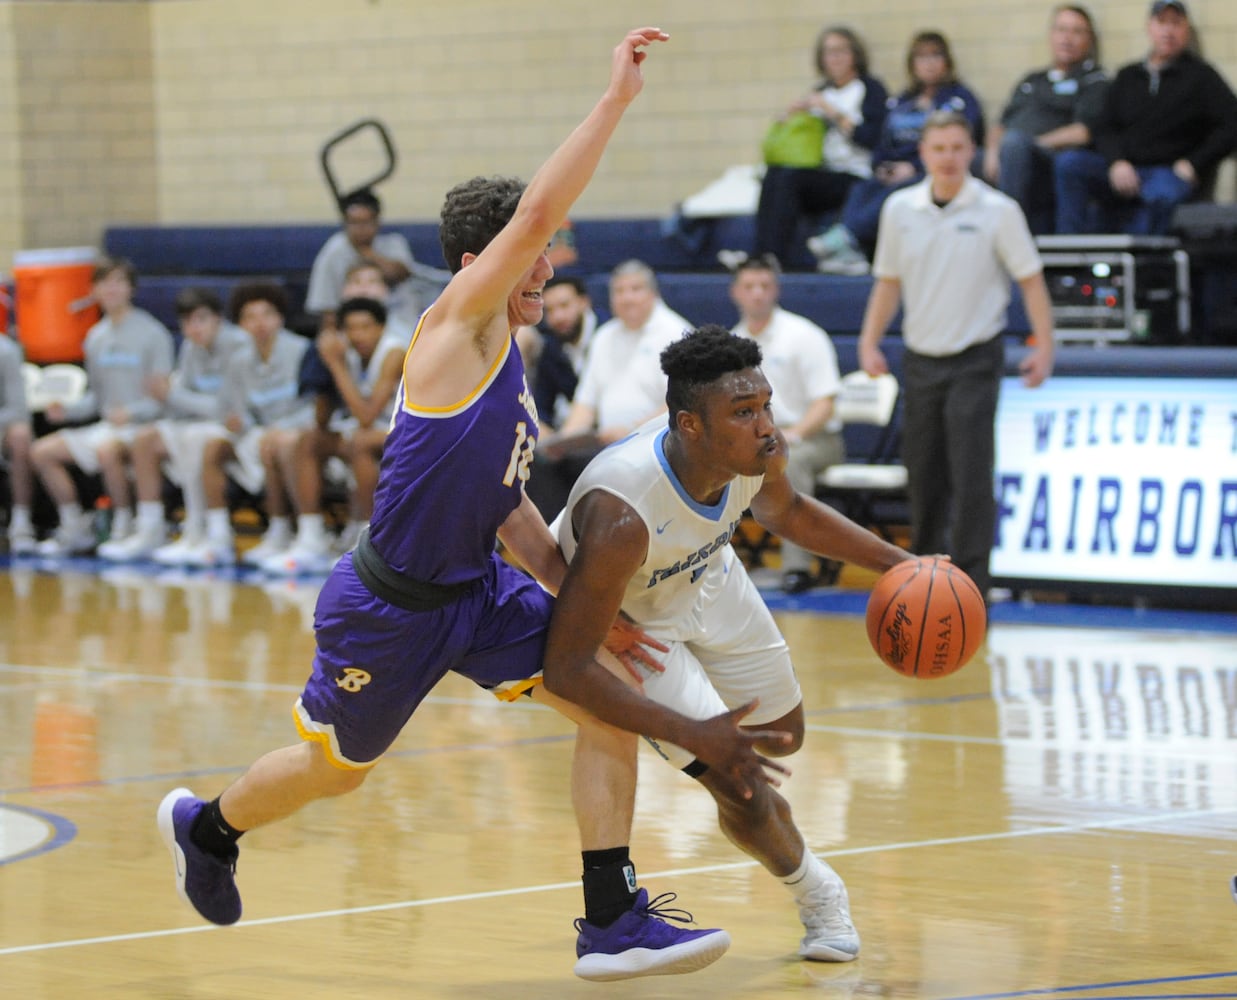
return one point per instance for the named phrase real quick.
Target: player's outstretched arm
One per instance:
(804, 520)
(556, 185)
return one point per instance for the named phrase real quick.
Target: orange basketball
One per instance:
(926, 618)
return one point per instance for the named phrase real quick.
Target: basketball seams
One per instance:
(979, 603)
(890, 618)
(875, 634)
(923, 617)
(949, 579)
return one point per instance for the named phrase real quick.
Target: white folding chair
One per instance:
(58, 383)
(872, 478)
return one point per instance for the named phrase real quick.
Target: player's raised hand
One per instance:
(626, 78)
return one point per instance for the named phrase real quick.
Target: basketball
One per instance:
(926, 618)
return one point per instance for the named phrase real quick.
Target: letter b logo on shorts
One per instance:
(353, 679)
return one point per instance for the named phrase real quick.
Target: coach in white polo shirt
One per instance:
(801, 365)
(947, 249)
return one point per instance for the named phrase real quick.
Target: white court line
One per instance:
(352, 911)
(903, 734)
(1042, 743)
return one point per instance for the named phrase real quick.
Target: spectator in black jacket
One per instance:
(1167, 123)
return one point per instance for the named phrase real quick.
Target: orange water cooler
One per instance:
(53, 309)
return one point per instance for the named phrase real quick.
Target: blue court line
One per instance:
(822, 601)
(63, 830)
(855, 602)
(1061, 990)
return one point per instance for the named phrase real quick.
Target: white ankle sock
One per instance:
(219, 525)
(122, 521)
(811, 874)
(310, 529)
(149, 514)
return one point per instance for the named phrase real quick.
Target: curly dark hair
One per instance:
(361, 304)
(257, 291)
(698, 359)
(473, 213)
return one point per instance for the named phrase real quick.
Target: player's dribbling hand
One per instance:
(626, 80)
(730, 750)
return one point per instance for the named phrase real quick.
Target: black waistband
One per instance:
(394, 587)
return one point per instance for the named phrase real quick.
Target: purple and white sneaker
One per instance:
(204, 881)
(642, 943)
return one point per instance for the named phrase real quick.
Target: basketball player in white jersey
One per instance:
(647, 530)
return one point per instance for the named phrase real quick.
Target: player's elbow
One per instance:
(554, 679)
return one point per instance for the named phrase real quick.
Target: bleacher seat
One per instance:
(683, 252)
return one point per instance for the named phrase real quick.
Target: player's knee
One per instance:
(790, 725)
(43, 451)
(341, 781)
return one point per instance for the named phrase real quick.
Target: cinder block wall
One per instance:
(215, 110)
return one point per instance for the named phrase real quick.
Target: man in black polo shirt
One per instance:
(1050, 110)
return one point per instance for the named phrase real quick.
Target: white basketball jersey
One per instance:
(686, 538)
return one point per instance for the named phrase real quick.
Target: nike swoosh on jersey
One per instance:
(662, 527)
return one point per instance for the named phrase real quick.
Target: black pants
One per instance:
(948, 445)
(789, 193)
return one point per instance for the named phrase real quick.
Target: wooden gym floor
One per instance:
(1057, 820)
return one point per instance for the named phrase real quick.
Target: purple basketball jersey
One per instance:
(449, 479)
(451, 476)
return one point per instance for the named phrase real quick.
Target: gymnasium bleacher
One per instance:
(682, 252)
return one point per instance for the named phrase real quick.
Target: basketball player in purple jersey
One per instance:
(424, 592)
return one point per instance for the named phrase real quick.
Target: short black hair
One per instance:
(257, 291)
(363, 198)
(190, 300)
(761, 262)
(698, 359)
(473, 213)
(361, 303)
(572, 280)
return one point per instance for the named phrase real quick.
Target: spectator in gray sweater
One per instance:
(15, 438)
(122, 351)
(191, 397)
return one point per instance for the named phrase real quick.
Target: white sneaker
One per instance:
(272, 544)
(846, 261)
(70, 539)
(301, 558)
(173, 553)
(825, 912)
(210, 554)
(731, 259)
(22, 541)
(348, 538)
(833, 240)
(138, 545)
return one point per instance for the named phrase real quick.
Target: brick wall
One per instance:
(214, 110)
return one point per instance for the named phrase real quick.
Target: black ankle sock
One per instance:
(609, 885)
(213, 833)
